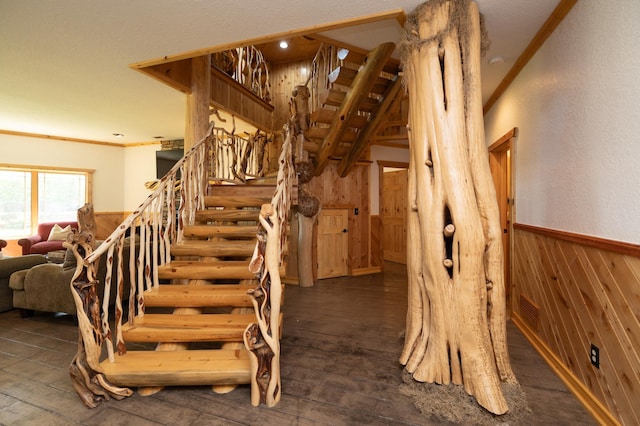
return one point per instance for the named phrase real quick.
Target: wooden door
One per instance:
(333, 243)
(394, 216)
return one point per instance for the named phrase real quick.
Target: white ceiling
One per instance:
(64, 65)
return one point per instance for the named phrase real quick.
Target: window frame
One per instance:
(35, 170)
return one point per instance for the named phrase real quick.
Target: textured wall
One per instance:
(577, 107)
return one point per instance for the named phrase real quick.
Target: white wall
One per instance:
(383, 153)
(577, 106)
(139, 167)
(107, 161)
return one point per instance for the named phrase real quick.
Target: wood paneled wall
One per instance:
(571, 291)
(107, 222)
(284, 78)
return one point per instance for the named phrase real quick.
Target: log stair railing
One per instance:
(353, 108)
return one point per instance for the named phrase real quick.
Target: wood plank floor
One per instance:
(341, 342)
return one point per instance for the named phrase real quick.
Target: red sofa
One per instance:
(38, 244)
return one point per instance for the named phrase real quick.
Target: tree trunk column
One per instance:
(456, 330)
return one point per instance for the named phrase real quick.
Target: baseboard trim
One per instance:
(599, 412)
(366, 271)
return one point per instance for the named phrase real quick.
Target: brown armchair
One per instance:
(47, 287)
(39, 244)
(9, 266)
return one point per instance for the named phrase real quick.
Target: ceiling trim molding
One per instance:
(549, 26)
(397, 14)
(75, 140)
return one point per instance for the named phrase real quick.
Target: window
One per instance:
(29, 196)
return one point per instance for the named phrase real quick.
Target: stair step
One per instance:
(188, 328)
(270, 179)
(198, 296)
(261, 191)
(179, 368)
(321, 132)
(328, 116)
(221, 231)
(214, 248)
(235, 201)
(335, 97)
(227, 215)
(344, 76)
(209, 270)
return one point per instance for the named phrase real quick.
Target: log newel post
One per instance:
(86, 377)
(308, 205)
(456, 319)
(262, 338)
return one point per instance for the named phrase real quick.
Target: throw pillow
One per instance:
(59, 233)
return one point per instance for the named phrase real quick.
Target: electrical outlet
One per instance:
(595, 356)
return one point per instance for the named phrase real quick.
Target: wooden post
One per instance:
(456, 325)
(197, 119)
(86, 375)
(308, 205)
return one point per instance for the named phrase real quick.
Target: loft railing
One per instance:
(247, 66)
(157, 229)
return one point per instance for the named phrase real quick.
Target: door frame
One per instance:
(381, 165)
(498, 149)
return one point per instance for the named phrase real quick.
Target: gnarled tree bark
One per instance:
(456, 325)
(86, 377)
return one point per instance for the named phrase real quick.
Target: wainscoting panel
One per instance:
(587, 291)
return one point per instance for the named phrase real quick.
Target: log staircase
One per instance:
(206, 290)
(205, 293)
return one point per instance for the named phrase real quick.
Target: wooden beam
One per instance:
(552, 22)
(374, 62)
(365, 137)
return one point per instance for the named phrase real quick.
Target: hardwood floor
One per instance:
(340, 348)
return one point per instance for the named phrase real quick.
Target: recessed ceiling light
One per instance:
(118, 135)
(284, 44)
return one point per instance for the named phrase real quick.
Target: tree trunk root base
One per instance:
(450, 403)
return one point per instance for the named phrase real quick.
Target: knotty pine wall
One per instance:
(284, 77)
(571, 291)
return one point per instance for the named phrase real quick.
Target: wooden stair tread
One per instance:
(200, 296)
(179, 368)
(227, 215)
(214, 248)
(235, 201)
(188, 328)
(335, 97)
(222, 231)
(344, 76)
(261, 191)
(314, 133)
(328, 116)
(205, 270)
